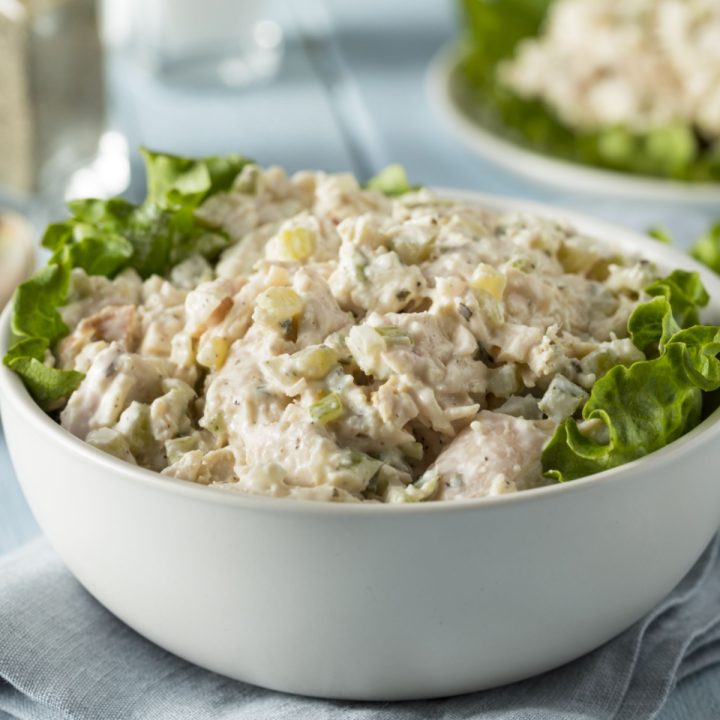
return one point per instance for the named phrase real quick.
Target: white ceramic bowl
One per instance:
(545, 168)
(374, 602)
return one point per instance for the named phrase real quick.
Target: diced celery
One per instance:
(360, 263)
(393, 335)
(608, 355)
(412, 450)
(215, 424)
(525, 406)
(422, 489)
(327, 409)
(111, 442)
(362, 464)
(135, 426)
(169, 414)
(522, 263)
(176, 448)
(503, 381)
(412, 250)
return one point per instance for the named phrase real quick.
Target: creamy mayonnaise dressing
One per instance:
(348, 346)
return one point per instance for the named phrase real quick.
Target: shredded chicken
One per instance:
(350, 347)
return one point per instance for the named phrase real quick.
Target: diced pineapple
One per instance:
(280, 306)
(213, 353)
(315, 362)
(296, 244)
(367, 347)
(489, 279)
(576, 256)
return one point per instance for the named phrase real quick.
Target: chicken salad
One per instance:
(348, 343)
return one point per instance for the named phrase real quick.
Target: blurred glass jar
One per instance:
(51, 92)
(199, 44)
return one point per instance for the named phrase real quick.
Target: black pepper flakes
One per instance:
(483, 355)
(465, 311)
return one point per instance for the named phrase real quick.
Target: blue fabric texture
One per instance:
(63, 656)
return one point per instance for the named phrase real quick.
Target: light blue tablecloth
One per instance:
(64, 656)
(351, 96)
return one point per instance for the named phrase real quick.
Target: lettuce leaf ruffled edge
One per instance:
(105, 237)
(633, 411)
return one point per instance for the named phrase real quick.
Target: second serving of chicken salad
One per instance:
(628, 85)
(309, 337)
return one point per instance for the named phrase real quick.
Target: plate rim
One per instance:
(544, 169)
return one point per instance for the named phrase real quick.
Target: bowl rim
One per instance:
(14, 397)
(543, 168)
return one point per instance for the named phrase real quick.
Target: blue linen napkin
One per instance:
(63, 656)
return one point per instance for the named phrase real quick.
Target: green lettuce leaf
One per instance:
(36, 301)
(661, 235)
(49, 386)
(104, 237)
(176, 181)
(685, 293)
(675, 304)
(644, 407)
(392, 181)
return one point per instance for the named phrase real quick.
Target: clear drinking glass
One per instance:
(51, 92)
(206, 43)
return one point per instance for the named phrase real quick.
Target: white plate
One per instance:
(17, 253)
(544, 168)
